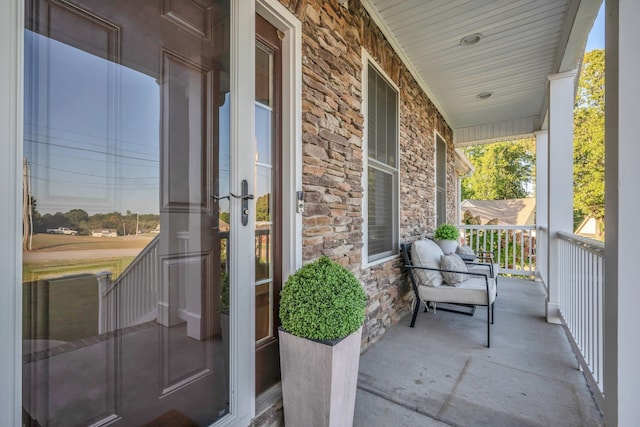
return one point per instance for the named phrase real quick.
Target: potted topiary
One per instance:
(322, 308)
(446, 236)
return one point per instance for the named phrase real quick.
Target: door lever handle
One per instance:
(243, 197)
(218, 198)
(244, 217)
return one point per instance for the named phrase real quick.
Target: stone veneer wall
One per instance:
(332, 141)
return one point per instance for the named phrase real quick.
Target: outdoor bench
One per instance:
(423, 259)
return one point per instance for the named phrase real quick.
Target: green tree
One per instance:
(262, 208)
(588, 154)
(503, 170)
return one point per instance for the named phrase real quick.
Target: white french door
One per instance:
(131, 110)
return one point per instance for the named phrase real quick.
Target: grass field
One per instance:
(33, 271)
(62, 310)
(44, 243)
(61, 296)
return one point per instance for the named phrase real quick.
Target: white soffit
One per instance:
(523, 42)
(498, 131)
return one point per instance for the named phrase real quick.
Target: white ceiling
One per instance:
(524, 41)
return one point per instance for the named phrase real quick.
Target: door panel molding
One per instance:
(191, 15)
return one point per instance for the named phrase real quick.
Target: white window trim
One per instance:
(437, 135)
(366, 60)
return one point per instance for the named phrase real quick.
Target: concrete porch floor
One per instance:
(441, 373)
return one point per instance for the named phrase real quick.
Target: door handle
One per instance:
(245, 196)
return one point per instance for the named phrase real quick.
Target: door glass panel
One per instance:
(264, 191)
(125, 257)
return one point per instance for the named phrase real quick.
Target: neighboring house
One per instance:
(588, 227)
(501, 212)
(346, 114)
(104, 233)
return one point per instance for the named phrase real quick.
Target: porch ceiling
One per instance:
(522, 43)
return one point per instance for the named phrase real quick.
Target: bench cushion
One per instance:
(426, 253)
(485, 269)
(471, 291)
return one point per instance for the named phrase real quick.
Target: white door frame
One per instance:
(291, 27)
(11, 95)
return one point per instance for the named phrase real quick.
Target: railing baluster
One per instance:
(581, 305)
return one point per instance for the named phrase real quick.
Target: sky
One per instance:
(596, 37)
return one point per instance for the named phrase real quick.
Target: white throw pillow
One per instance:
(465, 250)
(453, 262)
(426, 253)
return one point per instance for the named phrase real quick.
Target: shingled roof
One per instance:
(506, 212)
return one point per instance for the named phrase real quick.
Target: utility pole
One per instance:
(27, 208)
(137, 222)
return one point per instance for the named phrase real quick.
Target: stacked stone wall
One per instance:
(333, 40)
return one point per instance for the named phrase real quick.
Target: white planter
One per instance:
(319, 380)
(447, 246)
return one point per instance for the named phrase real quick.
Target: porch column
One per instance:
(622, 207)
(542, 205)
(559, 180)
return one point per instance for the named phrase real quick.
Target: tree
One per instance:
(262, 208)
(588, 155)
(76, 217)
(503, 170)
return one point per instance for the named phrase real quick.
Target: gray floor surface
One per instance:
(440, 373)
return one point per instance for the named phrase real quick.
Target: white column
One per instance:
(560, 180)
(622, 206)
(542, 202)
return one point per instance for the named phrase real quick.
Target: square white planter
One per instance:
(319, 380)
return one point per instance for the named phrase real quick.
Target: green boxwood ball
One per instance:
(446, 232)
(322, 301)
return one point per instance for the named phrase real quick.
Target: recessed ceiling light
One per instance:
(471, 39)
(484, 95)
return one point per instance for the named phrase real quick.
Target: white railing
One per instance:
(581, 300)
(513, 247)
(132, 298)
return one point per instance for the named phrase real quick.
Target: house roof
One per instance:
(587, 227)
(507, 212)
(522, 43)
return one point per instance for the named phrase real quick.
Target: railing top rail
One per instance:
(152, 245)
(497, 227)
(591, 245)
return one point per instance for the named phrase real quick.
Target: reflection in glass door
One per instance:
(126, 254)
(268, 201)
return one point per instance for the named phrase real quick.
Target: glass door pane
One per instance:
(126, 254)
(264, 190)
(268, 182)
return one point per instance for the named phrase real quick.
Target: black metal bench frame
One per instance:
(406, 254)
